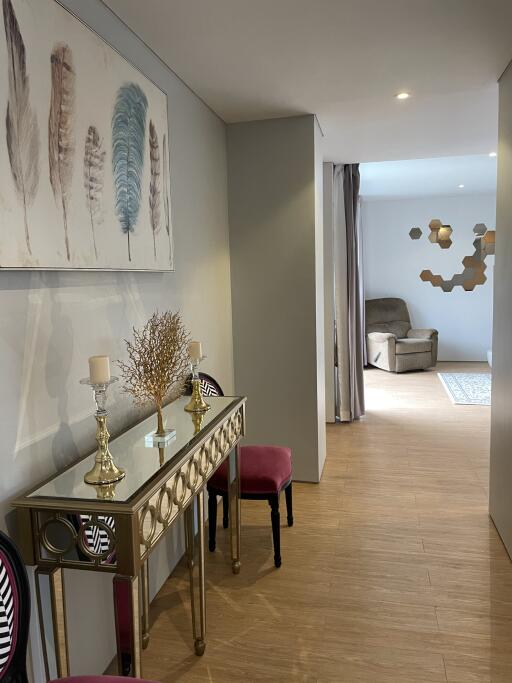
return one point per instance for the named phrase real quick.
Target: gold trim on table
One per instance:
(55, 532)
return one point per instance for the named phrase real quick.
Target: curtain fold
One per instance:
(348, 294)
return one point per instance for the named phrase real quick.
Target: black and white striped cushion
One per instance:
(97, 539)
(208, 388)
(7, 616)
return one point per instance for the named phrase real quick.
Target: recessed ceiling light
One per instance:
(403, 96)
(493, 154)
(461, 186)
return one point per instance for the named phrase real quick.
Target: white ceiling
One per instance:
(342, 60)
(428, 177)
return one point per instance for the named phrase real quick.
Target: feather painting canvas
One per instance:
(84, 149)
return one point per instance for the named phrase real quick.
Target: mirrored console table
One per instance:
(65, 523)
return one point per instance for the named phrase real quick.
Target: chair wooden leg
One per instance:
(289, 505)
(225, 511)
(212, 520)
(276, 527)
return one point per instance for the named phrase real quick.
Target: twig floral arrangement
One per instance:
(158, 362)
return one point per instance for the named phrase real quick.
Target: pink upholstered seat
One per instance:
(98, 679)
(264, 470)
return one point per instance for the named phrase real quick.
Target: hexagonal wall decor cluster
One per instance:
(474, 266)
(415, 233)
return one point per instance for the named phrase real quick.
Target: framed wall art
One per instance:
(84, 149)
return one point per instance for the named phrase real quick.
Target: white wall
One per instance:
(51, 322)
(275, 177)
(500, 500)
(393, 263)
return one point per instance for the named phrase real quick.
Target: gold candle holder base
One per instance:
(197, 404)
(105, 471)
(106, 491)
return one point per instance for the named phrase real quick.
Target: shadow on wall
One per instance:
(51, 323)
(57, 370)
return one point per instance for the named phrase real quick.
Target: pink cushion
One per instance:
(98, 679)
(263, 470)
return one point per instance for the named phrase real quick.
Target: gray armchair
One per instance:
(391, 342)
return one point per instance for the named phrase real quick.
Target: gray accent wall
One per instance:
(52, 322)
(275, 212)
(500, 496)
(330, 375)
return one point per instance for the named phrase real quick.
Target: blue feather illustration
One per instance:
(128, 138)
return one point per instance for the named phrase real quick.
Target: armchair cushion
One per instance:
(381, 336)
(413, 346)
(397, 327)
(422, 334)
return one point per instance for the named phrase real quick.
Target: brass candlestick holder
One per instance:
(106, 491)
(105, 471)
(197, 421)
(197, 404)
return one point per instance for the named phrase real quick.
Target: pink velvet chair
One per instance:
(15, 618)
(96, 679)
(265, 471)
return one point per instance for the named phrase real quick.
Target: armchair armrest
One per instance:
(422, 334)
(380, 336)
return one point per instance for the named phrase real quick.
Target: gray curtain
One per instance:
(348, 294)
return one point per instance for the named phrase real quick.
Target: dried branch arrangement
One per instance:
(158, 362)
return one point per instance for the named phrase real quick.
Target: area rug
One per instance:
(467, 388)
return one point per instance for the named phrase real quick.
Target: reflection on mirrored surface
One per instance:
(106, 491)
(130, 452)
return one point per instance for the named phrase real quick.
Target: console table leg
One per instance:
(50, 584)
(234, 510)
(198, 619)
(128, 632)
(200, 643)
(144, 578)
(189, 543)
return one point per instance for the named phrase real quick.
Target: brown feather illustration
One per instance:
(61, 144)
(94, 168)
(22, 131)
(154, 184)
(167, 213)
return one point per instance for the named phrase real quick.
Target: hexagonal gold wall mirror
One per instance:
(474, 265)
(443, 236)
(434, 225)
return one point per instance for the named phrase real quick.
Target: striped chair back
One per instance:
(209, 386)
(14, 613)
(8, 613)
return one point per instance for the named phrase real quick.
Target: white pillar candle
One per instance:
(99, 369)
(195, 350)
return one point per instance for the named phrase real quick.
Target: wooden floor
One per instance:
(393, 572)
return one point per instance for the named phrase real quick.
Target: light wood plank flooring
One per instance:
(393, 572)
